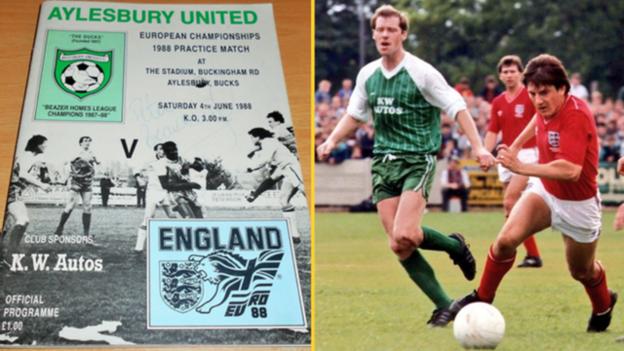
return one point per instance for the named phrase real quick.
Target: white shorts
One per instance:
(18, 210)
(578, 220)
(525, 156)
(156, 197)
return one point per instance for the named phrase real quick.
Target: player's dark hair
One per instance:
(33, 143)
(546, 70)
(169, 146)
(390, 11)
(198, 164)
(510, 60)
(83, 138)
(260, 133)
(277, 116)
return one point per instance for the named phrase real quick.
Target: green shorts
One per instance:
(392, 175)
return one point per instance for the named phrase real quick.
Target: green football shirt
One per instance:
(405, 105)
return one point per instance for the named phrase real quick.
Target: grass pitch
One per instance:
(365, 301)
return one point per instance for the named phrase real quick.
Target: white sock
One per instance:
(291, 216)
(141, 236)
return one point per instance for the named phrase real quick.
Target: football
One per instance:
(479, 326)
(82, 76)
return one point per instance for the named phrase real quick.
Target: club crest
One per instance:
(181, 286)
(519, 110)
(553, 140)
(223, 277)
(82, 72)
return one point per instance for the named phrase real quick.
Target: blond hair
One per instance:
(390, 11)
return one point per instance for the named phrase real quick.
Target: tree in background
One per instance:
(467, 37)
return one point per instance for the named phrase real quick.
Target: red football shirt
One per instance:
(511, 117)
(571, 136)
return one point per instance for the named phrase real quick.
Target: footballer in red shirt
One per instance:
(511, 111)
(565, 197)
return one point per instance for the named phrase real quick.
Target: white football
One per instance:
(82, 76)
(479, 326)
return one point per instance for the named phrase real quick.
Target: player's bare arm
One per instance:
(256, 166)
(34, 181)
(346, 126)
(620, 166)
(489, 142)
(31, 179)
(465, 121)
(262, 156)
(556, 170)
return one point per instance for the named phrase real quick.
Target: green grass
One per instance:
(365, 301)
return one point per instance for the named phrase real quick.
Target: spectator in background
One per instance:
(365, 140)
(322, 94)
(105, 186)
(609, 149)
(345, 91)
(336, 107)
(455, 183)
(451, 149)
(601, 129)
(448, 143)
(612, 128)
(620, 95)
(323, 113)
(141, 185)
(618, 221)
(482, 125)
(608, 108)
(596, 103)
(618, 109)
(463, 87)
(620, 135)
(577, 88)
(319, 138)
(446, 133)
(463, 144)
(601, 121)
(473, 104)
(491, 89)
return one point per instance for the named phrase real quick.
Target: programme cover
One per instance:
(156, 195)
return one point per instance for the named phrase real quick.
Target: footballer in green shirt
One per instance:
(404, 95)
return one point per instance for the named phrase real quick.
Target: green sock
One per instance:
(434, 240)
(422, 274)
